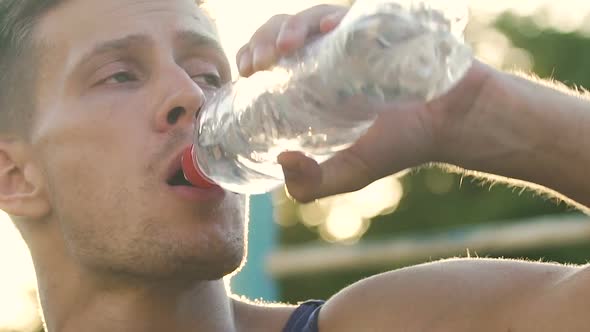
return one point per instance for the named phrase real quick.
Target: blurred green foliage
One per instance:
(464, 200)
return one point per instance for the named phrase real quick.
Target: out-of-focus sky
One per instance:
(237, 20)
(237, 24)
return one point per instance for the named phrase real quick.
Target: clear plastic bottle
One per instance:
(383, 51)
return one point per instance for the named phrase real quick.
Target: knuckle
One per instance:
(311, 15)
(328, 9)
(325, 7)
(277, 20)
(292, 22)
(269, 29)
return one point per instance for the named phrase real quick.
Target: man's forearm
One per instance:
(528, 131)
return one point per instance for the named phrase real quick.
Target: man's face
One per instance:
(120, 82)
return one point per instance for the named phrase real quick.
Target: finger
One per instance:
(302, 174)
(291, 37)
(263, 57)
(296, 29)
(244, 61)
(342, 173)
(376, 154)
(331, 21)
(260, 53)
(307, 181)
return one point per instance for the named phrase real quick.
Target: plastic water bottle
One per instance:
(383, 51)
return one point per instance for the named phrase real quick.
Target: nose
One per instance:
(184, 99)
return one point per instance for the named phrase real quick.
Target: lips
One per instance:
(174, 175)
(178, 179)
(184, 190)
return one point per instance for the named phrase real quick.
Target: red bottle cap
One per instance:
(192, 173)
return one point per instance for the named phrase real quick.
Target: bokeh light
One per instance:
(344, 225)
(345, 218)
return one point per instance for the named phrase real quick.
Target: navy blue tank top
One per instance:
(305, 317)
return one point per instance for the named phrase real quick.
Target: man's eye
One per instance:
(210, 80)
(120, 77)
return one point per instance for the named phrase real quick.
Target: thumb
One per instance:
(303, 175)
(306, 180)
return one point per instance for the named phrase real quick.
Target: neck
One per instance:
(86, 304)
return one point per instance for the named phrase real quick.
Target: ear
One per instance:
(22, 190)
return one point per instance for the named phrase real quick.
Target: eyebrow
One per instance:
(195, 39)
(189, 38)
(114, 45)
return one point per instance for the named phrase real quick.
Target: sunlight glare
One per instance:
(238, 20)
(18, 303)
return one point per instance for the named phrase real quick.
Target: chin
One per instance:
(158, 260)
(214, 264)
(204, 265)
(220, 271)
(167, 247)
(182, 268)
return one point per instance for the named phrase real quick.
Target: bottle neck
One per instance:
(191, 170)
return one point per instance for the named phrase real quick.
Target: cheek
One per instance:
(80, 166)
(85, 172)
(78, 186)
(86, 143)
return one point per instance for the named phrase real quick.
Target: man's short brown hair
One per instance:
(17, 70)
(18, 61)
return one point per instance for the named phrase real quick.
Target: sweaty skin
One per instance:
(117, 248)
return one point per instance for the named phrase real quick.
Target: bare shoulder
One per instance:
(463, 295)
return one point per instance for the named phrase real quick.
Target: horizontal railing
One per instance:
(499, 237)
